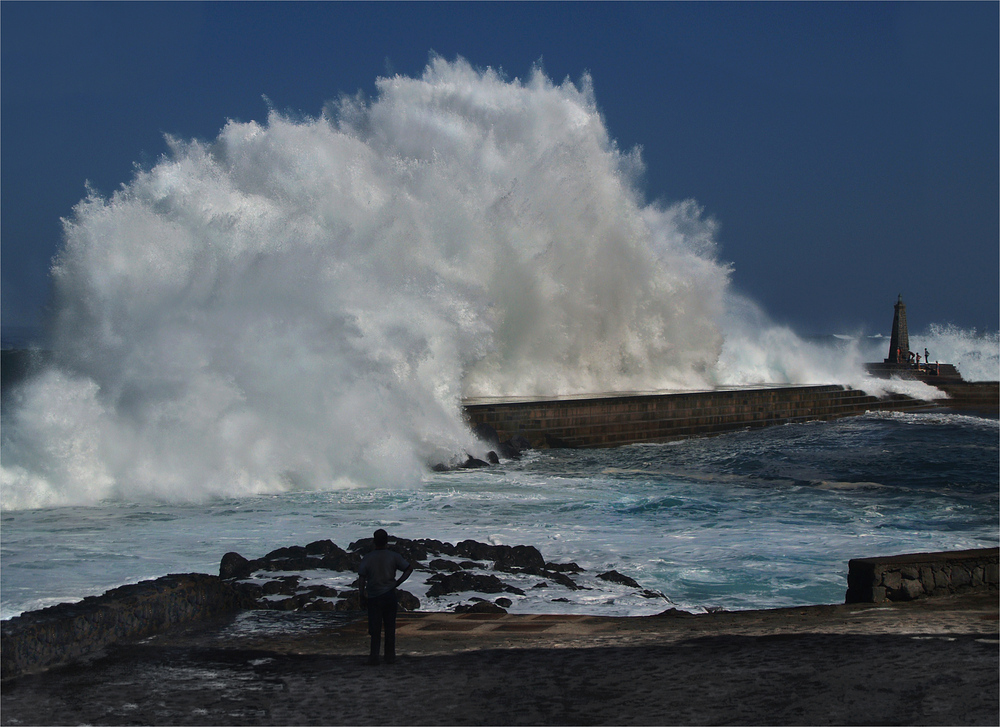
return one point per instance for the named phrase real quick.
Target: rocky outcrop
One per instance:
(918, 575)
(510, 448)
(466, 567)
(37, 640)
(282, 580)
(448, 583)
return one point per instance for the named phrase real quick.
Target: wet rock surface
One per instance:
(467, 570)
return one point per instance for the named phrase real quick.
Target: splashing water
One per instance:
(302, 304)
(977, 355)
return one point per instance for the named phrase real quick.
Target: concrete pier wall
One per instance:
(608, 421)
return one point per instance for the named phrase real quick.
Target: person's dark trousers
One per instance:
(382, 613)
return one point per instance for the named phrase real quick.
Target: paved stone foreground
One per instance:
(924, 662)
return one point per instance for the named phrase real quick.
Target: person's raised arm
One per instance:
(406, 574)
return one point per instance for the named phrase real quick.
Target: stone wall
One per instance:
(907, 577)
(37, 640)
(613, 420)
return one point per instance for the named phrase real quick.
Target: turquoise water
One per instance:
(751, 519)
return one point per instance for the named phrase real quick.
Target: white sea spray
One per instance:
(303, 303)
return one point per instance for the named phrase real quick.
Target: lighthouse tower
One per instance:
(899, 343)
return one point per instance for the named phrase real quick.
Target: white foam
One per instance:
(302, 304)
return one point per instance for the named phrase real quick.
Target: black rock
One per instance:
(472, 463)
(517, 557)
(479, 607)
(407, 601)
(293, 603)
(613, 576)
(444, 583)
(509, 451)
(320, 605)
(351, 601)
(486, 433)
(563, 580)
(326, 591)
(340, 561)
(295, 551)
(570, 567)
(234, 565)
(286, 585)
(440, 564)
(323, 547)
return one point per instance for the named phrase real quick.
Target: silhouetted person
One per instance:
(378, 584)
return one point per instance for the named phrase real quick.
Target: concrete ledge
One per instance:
(917, 575)
(613, 420)
(37, 640)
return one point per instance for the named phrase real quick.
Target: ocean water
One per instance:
(265, 339)
(751, 519)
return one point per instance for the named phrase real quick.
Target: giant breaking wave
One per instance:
(303, 304)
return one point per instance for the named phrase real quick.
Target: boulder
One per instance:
(517, 557)
(479, 607)
(351, 601)
(508, 451)
(407, 601)
(613, 576)
(471, 463)
(442, 584)
(323, 591)
(439, 564)
(320, 604)
(570, 567)
(562, 579)
(234, 565)
(910, 589)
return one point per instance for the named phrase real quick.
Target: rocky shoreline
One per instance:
(469, 576)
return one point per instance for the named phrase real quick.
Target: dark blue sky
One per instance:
(849, 151)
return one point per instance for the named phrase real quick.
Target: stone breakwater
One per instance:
(68, 632)
(612, 420)
(918, 575)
